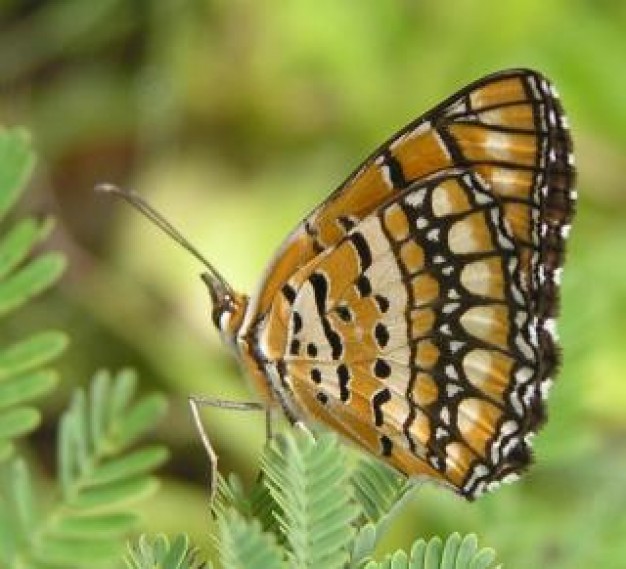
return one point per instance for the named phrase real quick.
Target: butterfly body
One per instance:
(413, 310)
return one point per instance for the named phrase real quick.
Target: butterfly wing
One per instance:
(413, 337)
(510, 128)
(411, 311)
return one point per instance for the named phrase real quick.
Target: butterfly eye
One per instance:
(223, 309)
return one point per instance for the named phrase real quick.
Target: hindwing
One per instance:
(413, 337)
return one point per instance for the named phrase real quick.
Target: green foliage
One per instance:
(22, 373)
(381, 493)
(243, 545)
(308, 481)
(456, 553)
(158, 553)
(329, 515)
(80, 520)
(98, 477)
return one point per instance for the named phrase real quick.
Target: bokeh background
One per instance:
(235, 117)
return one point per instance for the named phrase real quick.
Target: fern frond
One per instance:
(29, 281)
(243, 544)
(311, 495)
(21, 379)
(98, 475)
(308, 480)
(456, 553)
(381, 493)
(158, 553)
(256, 504)
(377, 487)
(16, 163)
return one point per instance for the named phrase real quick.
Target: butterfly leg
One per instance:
(195, 402)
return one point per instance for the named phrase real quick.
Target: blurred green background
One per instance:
(235, 117)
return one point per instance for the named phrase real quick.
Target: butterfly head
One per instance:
(228, 307)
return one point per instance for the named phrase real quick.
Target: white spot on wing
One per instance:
(451, 372)
(550, 327)
(557, 274)
(445, 415)
(545, 387)
(416, 198)
(384, 171)
(433, 234)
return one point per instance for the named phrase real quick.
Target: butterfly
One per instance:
(413, 311)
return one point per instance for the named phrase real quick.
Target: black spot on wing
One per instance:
(297, 322)
(364, 286)
(382, 369)
(344, 313)
(386, 446)
(289, 293)
(396, 175)
(343, 374)
(345, 222)
(362, 249)
(382, 334)
(320, 292)
(294, 348)
(380, 398)
(322, 398)
(383, 303)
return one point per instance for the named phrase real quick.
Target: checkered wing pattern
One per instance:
(413, 311)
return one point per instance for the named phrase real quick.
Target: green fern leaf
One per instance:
(308, 480)
(311, 497)
(20, 421)
(381, 493)
(132, 464)
(243, 544)
(16, 163)
(377, 488)
(20, 280)
(397, 560)
(456, 553)
(22, 380)
(29, 281)
(98, 475)
(62, 551)
(265, 509)
(32, 353)
(23, 388)
(17, 243)
(257, 503)
(104, 525)
(158, 553)
(363, 546)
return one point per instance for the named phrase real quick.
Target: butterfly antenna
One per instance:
(134, 199)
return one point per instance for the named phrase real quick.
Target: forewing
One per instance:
(509, 128)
